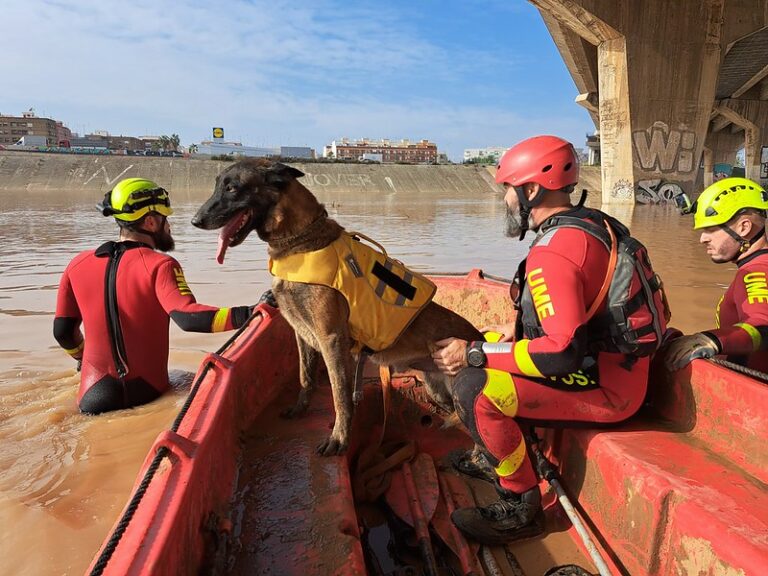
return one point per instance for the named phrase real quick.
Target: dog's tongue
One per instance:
(226, 234)
(223, 245)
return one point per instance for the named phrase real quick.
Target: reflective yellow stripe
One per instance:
(500, 390)
(753, 332)
(75, 351)
(717, 311)
(220, 320)
(512, 462)
(523, 360)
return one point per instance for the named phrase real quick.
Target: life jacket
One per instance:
(384, 296)
(636, 310)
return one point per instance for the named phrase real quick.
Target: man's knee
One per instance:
(467, 385)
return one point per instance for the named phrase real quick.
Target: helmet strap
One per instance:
(157, 234)
(744, 243)
(747, 244)
(526, 206)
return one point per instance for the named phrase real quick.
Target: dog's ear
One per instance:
(281, 174)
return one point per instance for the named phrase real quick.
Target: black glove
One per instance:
(681, 351)
(269, 298)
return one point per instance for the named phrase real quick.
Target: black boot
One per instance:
(512, 517)
(473, 463)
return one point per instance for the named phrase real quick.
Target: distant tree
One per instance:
(489, 160)
(192, 148)
(157, 144)
(174, 141)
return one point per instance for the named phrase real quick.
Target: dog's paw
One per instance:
(332, 447)
(294, 411)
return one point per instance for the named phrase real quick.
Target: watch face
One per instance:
(476, 358)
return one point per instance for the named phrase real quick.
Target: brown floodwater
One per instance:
(64, 477)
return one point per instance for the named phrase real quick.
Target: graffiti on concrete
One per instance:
(657, 191)
(350, 180)
(622, 190)
(721, 171)
(391, 184)
(660, 149)
(109, 182)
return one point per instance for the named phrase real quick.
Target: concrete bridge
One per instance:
(670, 85)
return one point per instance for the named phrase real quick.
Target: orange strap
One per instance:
(612, 260)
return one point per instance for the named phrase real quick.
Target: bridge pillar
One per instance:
(648, 73)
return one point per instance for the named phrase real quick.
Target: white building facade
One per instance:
(495, 152)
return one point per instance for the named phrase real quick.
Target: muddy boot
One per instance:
(473, 463)
(512, 517)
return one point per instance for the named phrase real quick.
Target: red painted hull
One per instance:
(681, 489)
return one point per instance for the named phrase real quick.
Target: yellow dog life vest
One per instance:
(383, 295)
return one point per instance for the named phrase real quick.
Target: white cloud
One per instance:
(269, 72)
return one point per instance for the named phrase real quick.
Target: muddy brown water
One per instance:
(65, 477)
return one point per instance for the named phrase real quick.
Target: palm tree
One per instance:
(192, 148)
(174, 141)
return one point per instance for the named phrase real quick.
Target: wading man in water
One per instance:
(123, 294)
(561, 361)
(731, 217)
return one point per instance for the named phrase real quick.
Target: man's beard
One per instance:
(164, 241)
(514, 223)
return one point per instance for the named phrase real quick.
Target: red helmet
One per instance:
(547, 160)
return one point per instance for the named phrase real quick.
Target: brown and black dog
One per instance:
(261, 195)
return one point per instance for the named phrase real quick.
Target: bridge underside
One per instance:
(671, 86)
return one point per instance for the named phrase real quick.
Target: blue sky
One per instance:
(463, 74)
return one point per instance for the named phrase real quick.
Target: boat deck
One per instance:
(293, 511)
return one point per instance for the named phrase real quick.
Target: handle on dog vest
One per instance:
(364, 237)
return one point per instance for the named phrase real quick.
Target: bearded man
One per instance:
(558, 362)
(123, 293)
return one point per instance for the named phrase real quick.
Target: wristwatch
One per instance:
(475, 355)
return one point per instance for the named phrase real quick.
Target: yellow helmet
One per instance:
(724, 199)
(133, 198)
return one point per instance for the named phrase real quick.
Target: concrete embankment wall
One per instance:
(40, 173)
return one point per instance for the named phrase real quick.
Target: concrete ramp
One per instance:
(42, 172)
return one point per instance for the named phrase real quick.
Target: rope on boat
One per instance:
(742, 369)
(117, 533)
(162, 452)
(482, 275)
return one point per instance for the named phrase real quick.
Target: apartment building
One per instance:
(12, 128)
(421, 152)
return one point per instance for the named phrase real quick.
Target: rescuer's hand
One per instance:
(450, 356)
(681, 351)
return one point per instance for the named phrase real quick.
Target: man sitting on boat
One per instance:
(123, 294)
(731, 215)
(567, 358)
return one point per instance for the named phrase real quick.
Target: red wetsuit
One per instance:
(148, 288)
(742, 314)
(552, 377)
